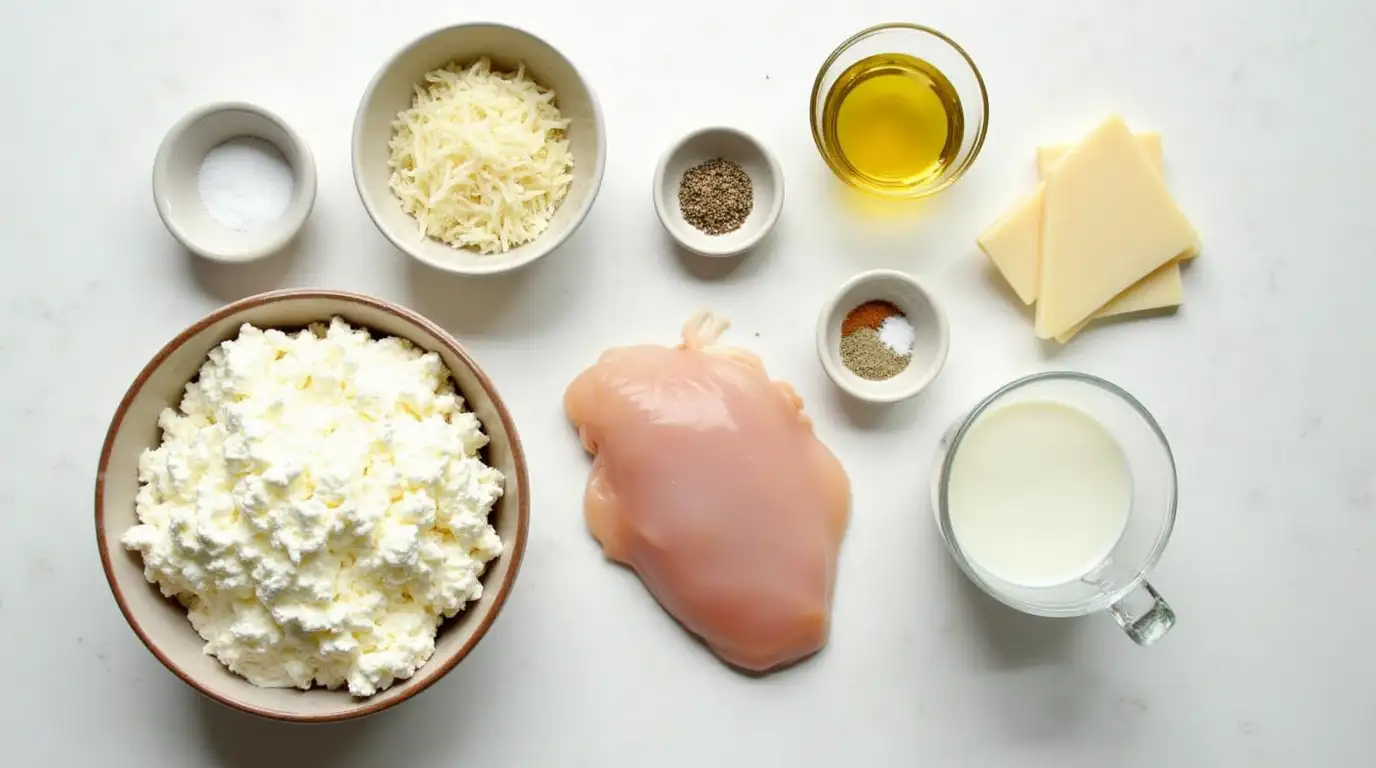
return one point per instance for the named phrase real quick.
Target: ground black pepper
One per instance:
(716, 196)
(870, 358)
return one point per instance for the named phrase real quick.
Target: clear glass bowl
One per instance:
(938, 50)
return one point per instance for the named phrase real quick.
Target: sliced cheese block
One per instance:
(1107, 222)
(1013, 243)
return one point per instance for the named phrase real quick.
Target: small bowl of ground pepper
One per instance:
(883, 337)
(718, 191)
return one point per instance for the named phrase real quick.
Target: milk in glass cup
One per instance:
(1056, 495)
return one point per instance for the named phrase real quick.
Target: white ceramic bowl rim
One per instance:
(548, 241)
(297, 154)
(729, 246)
(881, 394)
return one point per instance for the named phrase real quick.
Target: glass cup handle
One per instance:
(1143, 614)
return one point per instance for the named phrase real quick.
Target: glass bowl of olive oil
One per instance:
(899, 110)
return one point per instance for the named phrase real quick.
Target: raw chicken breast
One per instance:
(709, 483)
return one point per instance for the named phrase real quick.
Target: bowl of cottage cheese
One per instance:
(311, 505)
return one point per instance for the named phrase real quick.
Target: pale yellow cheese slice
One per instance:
(1162, 288)
(1050, 154)
(1159, 290)
(1014, 242)
(1107, 222)
(1150, 141)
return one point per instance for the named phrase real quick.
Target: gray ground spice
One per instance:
(870, 358)
(716, 196)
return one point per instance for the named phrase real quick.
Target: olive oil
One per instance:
(894, 121)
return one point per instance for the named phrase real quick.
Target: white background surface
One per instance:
(1263, 382)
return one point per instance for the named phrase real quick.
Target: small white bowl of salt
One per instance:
(233, 182)
(883, 337)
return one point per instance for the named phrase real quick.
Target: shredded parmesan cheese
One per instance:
(481, 159)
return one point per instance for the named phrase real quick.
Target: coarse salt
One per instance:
(897, 334)
(245, 184)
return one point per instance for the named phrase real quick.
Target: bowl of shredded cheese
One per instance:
(478, 149)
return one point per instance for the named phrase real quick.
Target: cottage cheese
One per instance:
(319, 505)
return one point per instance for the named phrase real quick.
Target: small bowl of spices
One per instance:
(882, 338)
(718, 191)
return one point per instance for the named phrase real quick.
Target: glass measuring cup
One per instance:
(1118, 584)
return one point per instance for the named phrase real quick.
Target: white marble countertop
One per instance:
(1263, 383)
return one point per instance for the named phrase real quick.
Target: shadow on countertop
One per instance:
(228, 282)
(1007, 638)
(876, 416)
(514, 303)
(238, 740)
(720, 268)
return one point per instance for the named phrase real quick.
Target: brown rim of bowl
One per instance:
(522, 511)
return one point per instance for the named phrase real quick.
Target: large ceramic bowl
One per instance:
(162, 624)
(392, 91)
